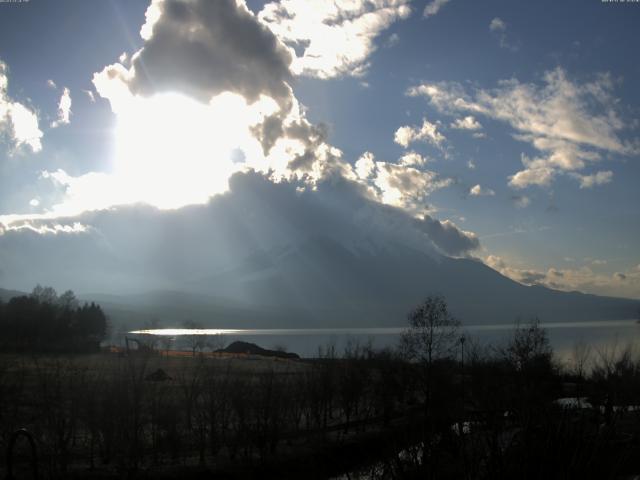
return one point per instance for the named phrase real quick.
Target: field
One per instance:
(107, 414)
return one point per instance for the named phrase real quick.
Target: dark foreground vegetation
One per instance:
(46, 322)
(439, 406)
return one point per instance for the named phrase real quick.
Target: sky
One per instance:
(508, 129)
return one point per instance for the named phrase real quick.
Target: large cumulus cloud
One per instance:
(332, 39)
(235, 76)
(292, 147)
(203, 48)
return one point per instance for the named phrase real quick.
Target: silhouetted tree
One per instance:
(196, 342)
(529, 346)
(44, 294)
(68, 301)
(580, 358)
(432, 336)
(432, 332)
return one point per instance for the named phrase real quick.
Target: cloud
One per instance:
(569, 124)
(220, 54)
(498, 27)
(52, 84)
(17, 122)
(521, 201)
(495, 262)
(331, 39)
(537, 172)
(230, 98)
(477, 191)
(582, 279)
(152, 133)
(448, 237)
(64, 109)
(403, 184)
(406, 187)
(203, 48)
(392, 40)
(47, 229)
(471, 165)
(365, 165)
(428, 132)
(90, 95)
(433, 7)
(466, 123)
(118, 248)
(413, 159)
(598, 178)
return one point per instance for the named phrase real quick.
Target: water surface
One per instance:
(600, 335)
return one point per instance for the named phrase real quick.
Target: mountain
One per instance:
(337, 285)
(267, 255)
(322, 283)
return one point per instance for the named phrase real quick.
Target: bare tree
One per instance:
(580, 362)
(529, 346)
(196, 341)
(432, 333)
(45, 294)
(68, 300)
(166, 341)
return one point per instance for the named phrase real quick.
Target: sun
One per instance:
(172, 150)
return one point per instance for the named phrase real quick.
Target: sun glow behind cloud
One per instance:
(170, 151)
(173, 151)
(176, 149)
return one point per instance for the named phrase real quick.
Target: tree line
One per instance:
(44, 321)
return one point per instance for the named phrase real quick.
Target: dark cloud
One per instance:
(140, 247)
(203, 48)
(269, 131)
(447, 237)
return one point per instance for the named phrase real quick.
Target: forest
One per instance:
(46, 322)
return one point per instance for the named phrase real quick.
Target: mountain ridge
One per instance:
(321, 282)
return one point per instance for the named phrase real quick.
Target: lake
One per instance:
(601, 336)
